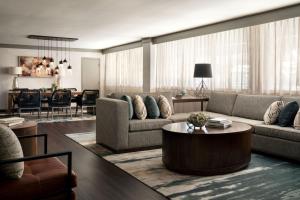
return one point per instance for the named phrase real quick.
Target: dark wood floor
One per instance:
(97, 178)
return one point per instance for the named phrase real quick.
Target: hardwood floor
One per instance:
(97, 178)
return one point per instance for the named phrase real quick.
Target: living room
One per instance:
(150, 99)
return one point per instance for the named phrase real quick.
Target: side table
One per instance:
(29, 145)
(190, 99)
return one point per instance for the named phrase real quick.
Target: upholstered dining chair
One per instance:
(60, 99)
(87, 99)
(29, 100)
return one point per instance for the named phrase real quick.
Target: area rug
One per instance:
(56, 118)
(88, 140)
(265, 178)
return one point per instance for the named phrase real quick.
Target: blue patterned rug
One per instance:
(265, 178)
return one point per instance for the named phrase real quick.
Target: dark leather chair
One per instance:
(44, 177)
(73, 98)
(29, 100)
(87, 99)
(60, 99)
(16, 97)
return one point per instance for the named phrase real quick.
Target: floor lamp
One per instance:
(202, 70)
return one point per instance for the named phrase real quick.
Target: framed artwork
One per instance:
(30, 67)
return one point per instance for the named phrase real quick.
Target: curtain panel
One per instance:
(260, 59)
(124, 71)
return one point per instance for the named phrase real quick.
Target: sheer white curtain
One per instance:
(275, 61)
(124, 71)
(226, 51)
(258, 59)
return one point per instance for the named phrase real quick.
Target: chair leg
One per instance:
(39, 112)
(48, 113)
(19, 112)
(81, 111)
(52, 113)
(70, 111)
(76, 110)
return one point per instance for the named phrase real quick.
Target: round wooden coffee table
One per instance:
(216, 151)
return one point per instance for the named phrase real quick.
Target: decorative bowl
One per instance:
(197, 119)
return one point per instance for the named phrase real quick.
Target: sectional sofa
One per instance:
(117, 132)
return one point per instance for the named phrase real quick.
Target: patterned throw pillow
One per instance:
(272, 112)
(10, 148)
(164, 107)
(130, 106)
(139, 107)
(297, 121)
(152, 107)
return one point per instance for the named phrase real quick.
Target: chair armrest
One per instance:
(39, 157)
(112, 123)
(38, 135)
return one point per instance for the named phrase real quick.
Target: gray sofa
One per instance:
(115, 131)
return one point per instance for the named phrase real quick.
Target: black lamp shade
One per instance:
(202, 71)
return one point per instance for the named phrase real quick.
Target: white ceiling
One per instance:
(104, 23)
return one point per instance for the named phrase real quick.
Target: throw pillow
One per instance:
(288, 113)
(297, 121)
(130, 106)
(152, 108)
(164, 107)
(10, 148)
(139, 107)
(272, 112)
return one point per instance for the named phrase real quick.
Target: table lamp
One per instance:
(15, 71)
(202, 70)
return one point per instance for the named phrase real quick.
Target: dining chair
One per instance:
(29, 100)
(15, 97)
(60, 99)
(87, 99)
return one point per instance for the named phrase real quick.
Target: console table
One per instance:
(190, 99)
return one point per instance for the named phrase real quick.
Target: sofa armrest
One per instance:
(112, 123)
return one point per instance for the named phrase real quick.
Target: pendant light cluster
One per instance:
(60, 64)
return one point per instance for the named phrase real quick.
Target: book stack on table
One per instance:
(11, 121)
(219, 122)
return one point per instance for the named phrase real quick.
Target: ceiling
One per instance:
(105, 23)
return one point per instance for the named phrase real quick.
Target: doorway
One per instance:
(90, 73)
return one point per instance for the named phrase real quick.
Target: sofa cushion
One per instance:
(164, 107)
(288, 113)
(152, 107)
(273, 111)
(220, 102)
(287, 99)
(41, 178)
(130, 106)
(251, 122)
(147, 124)
(139, 107)
(10, 148)
(252, 106)
(286, 133)
(179, 117)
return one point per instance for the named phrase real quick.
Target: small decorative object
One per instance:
(197, 119)
(202, 71)
(53, 87)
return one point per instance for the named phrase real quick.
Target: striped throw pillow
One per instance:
(272, 113)
(139, 107)
(164, 107)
